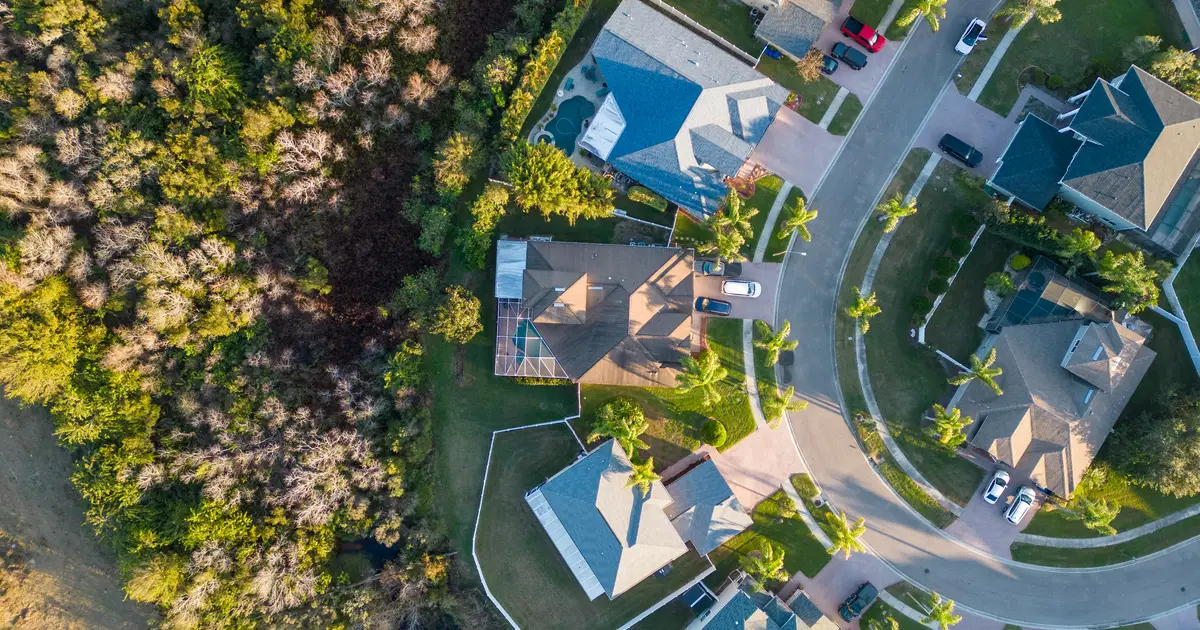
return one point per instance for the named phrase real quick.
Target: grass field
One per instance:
(1087, 41)
(802, 552)
(1187, 286)
(815, 96)
(777, 247)
(607, 230)
(954, 328)
(523, 569)
(729, 19)
(1112, 554)
(844, 119)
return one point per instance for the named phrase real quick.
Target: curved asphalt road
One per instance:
(1021, 594)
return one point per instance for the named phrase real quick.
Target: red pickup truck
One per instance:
(863, 34)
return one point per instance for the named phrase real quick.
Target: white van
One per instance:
(1020, 506)
(741, 288)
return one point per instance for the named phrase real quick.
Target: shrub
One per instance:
(922, 305)
(712, 432)
(805, 487)
(644, 196)
(1001, 283)
(1019, 262)
(1054, 82)
(960, 247)
(945, 266)
(966, 224)
(541, 381)
(938, 286)
(869, 434)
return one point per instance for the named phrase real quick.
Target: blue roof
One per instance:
(1035, 161)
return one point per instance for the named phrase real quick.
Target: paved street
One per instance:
(1023, 594)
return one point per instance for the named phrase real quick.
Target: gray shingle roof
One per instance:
(796, 25)
(669, 81)
(622, 534)
(704, 509)
(1035, 162)
(1145, 135)
(741, 613)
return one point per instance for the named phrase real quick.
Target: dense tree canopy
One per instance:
(1159, 448)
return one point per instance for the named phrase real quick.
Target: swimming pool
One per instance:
(567, 124)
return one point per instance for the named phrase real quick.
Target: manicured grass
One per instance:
(1112, 554)
(815, 96)
(1140, 505)
(673, 616)
(879, 612)
(908, 378)
(915, 496)
(856, 267)
(972, 65)
(954, 327)
(591, 26)
(805, 486)
(1087, 31)
(844, 119)
(802, 552)
(644, 212)
(725, 338)
(729, 19)
(1172, 367)
(523, 569)
(777, 247)
(870, 12)
(1187, 286)
(688, 231)
(895, 31)
(909, 593)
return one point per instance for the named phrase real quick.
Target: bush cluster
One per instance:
(938, 286)
(945, 266)
(713, 433)
(644, 196)
(960, 247)
(1019, 262)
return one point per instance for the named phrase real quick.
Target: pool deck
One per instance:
(583, 87)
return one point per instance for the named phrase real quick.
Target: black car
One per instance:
(853, 57)
(858, 602)
(713, 307)
(717, 268)
(960, 150)
(829, 65)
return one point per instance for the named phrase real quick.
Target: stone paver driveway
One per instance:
(796, 149)
(761, 307)
(861, 82)
(971, 122)
(983, 526)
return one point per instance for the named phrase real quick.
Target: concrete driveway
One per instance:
(796, 149)
(984, 526)
(861, 82)
(761, 307)
(971, 122)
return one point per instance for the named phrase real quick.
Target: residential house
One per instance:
(1128, 155)
(593, 313)
(703, 508)
(1064, 385)
(613, 536)
(682, 114)
(1046, 294)
(743, 604)
(794, 26)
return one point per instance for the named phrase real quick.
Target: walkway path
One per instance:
(994, 62)
(834, 106)
(1105, 541)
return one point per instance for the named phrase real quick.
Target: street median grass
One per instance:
(1112, 554)
(914, 495)
(803, 553)
(878, 614)
(777, 247)
(844, 119)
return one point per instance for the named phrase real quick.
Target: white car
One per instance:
(741, 288)
(1020, 506)
(996, 488)
(973, 35)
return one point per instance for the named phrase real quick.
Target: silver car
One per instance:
(1020, 506)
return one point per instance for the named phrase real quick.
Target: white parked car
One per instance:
(973, 35)
(1020, 506)
(996, 488)
(741, 288)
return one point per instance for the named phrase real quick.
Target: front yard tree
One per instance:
(1141, 50)
(809, 66)
(725, 244)
(622, 420)
(543, 178)
(864, 308)
(1159, 447)
(845, 536)
(775, 404)
(1022, 11)
(797, 223)
(933, 10)
(457, 317)
(765, 564)
(1180, 68)
(704, 374)
(1097, 514)
(982, 370)
(948, 426)
(1134, 283)
(1077, 248)
(894, 209)
(642, 476)
(774, 343)
(941, 612)
(734, 215)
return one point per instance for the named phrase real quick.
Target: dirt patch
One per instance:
(72, 580)
(460, 365)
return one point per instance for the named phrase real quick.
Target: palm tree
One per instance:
(895, 209)
(887, 623)
(948, 426)
(774, 343)
(774, 404)
(621, 419)
(642, 476)
(733, 214)
(766, 563)
(1097, 514)
(845, 536)
(863, 309)
(704, 375)
(1078, 246)
(1024, 10)
(941, 612)
(726, 244)
(933, 10)
(797, 222)
(983, 371)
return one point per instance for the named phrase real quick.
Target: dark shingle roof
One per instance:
(796, 25)
(704, 509)
(1144, 136)
(1035, 161)
(741, 613)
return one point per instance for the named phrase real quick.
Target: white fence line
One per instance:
(1180, 317)
(717, 39)
(666, 600)
(617, 212)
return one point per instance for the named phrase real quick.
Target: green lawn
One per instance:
(844, 119)
(815, 96)
(879, 611)
(729, 19)
(608, 230)
(870, 12)
(777, 247)
(1187, 286)
(803, 483)
(908, 378)
(908, 489)
(972, 65)
(673, 616)
(1112, 554)
(856, 268)
(895, 31)
(675, 417)
(1087, 41)
(523, 569)
(644, 212)
(802, 552)
(1171, 368)
(954, 328)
